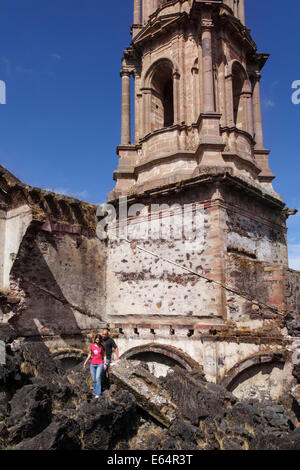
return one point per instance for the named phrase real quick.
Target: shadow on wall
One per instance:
(46, 311)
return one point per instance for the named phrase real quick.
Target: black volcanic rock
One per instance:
(62, 434)
(106, 420)
(30, 413)
(43, 406)
(7, 333)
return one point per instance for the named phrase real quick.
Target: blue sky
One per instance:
(61, 59)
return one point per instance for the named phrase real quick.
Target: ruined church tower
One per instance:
(196, 73)
(213, 291)
(193, 268)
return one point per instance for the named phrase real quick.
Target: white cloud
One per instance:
(274, 84)
(6, 65)
(63, 191)
(56, 56)
(67, 192)
(82, 194)
(268, 103)
(21, 69)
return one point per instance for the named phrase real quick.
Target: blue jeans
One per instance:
(96, 373)
(105, 381)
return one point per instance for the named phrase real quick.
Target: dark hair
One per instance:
(101, 342)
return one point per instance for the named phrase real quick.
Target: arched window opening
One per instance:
(237, 86)
(241, 91)
(162, 105)
(168, 103)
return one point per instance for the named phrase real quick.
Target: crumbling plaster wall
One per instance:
(160, 282)
(251, 233)
(152, 285)
(267, 380)
(60, 278)
(292, 299)
(241, 244)
(13, 225)
(216, 352)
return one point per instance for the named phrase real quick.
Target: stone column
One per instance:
(247, 114)
(145, 11)
(241, 11)
(222, 92)
(125, 124)
(215, 253)
(229, 3)
(200, 74)
(154, 5)
(257, 119)
(196, 110)
(137, 12)
(146, 100)
(176, 77)
(235, 7)
(208, 77)
(229, 101)
(137, 107)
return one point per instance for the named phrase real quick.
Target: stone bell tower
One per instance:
(196, 74)
(196, 144)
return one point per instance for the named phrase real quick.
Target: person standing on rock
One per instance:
(98, 363)
(110, 345)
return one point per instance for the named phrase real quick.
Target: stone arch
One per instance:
(68, 358)
(162, 62)
(160, 81)
(161, 358)
(241, 96)
(251, 375)
(237, 63)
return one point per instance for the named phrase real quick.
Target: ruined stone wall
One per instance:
(13, 225)
(241, 246)
(51, 260)
(153, 277)
(292, 291)
(60, 278)
(255, 230)
(151, 284)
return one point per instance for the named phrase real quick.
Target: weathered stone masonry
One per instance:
(216, 292)
(53, 260)
(199, 142)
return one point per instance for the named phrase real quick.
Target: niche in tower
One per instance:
(162, 105)
(240, 89)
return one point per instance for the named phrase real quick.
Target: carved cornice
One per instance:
(125, 73)
(156, 27)
(46, 205)
(222, 175)
(238, 131)
(207, 24)
(233, 26)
